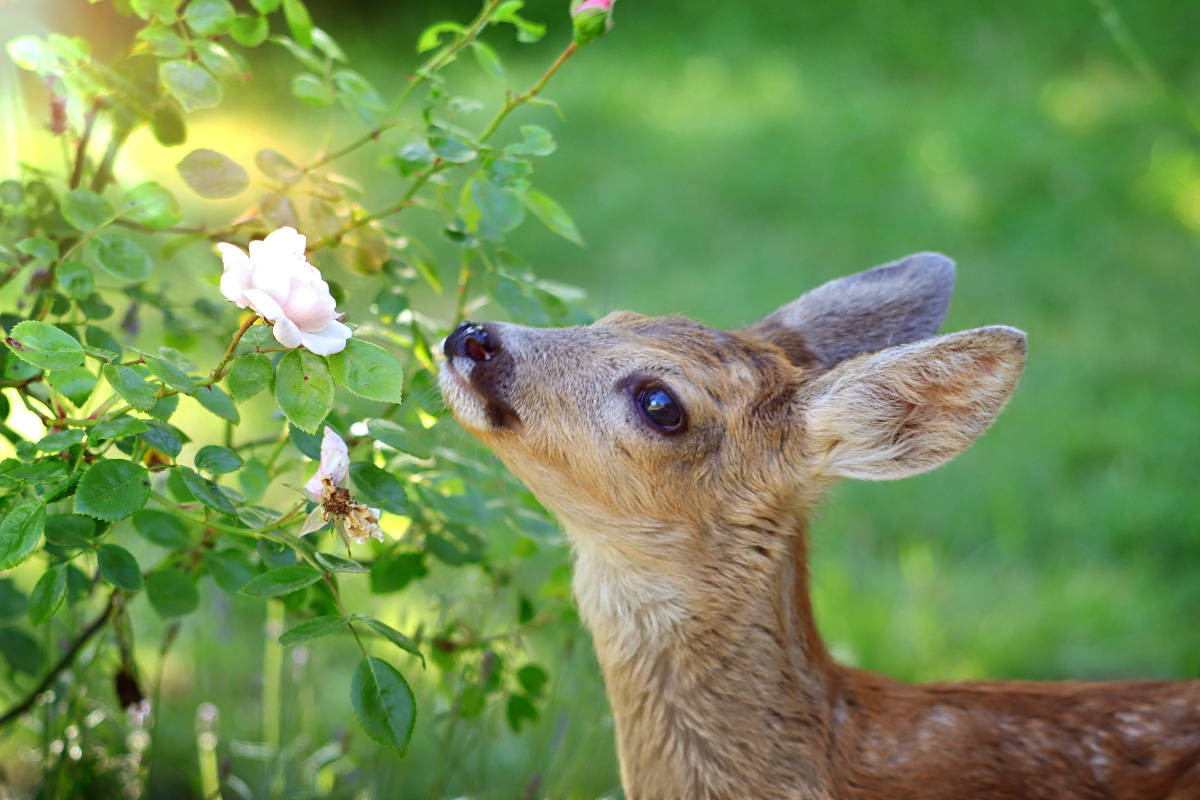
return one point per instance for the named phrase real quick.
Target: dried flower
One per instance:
(277, 281)
(351, 519)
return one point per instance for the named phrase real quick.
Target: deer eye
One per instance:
(661, 408)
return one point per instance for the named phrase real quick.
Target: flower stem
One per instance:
(217, 374)
(527, 95)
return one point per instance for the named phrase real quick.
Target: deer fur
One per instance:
(691, 566)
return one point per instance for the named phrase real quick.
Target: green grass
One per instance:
(721, 160)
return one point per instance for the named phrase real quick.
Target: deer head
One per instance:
(677, 455)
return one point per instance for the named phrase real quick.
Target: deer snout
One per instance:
(471, 340)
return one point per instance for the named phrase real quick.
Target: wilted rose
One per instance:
(351, 519)
(279, 284)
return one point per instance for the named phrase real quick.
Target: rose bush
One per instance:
(156, 444)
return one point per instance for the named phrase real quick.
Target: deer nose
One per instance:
(471, 340)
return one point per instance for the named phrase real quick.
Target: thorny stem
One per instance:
(438, 166)
(436, 62)
(64, 662)
(81, 149)
(217, 374)
(524, 97)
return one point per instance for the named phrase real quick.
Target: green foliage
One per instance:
(124, 488)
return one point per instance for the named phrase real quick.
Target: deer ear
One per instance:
(889, 305)
(911, 408)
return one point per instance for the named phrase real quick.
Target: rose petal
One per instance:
(315, 488)
(264, 304)
(335, 458)
(328, 341)
(310, 307)
(286, 240)
(272, 272)
(286, 333)
(236, 274)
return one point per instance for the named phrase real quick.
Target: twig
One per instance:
(81, 148)
(64, 662)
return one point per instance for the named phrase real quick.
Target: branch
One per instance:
(64, 662)
(81, 148)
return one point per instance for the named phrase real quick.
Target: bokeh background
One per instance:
(720, 158)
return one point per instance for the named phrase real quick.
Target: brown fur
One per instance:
(691, 551)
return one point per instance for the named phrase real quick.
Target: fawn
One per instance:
(683, 461)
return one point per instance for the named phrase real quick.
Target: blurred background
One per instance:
(720, 159)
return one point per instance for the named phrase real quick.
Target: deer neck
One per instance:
(714, 668)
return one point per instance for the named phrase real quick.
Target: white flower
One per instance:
(352, 519)
(277, 281)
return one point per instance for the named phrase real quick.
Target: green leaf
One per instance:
(163, 437)
(119, 567)
(215, 400)
(86, 211)
(537, 142)
(209, 17)
(190, 84)
(533, 679)
(112, 489)
(369, 371)
(249, 376)
(151, 205)
(207, 491)
(230, 568)
(70, 530)
(312, 629)
(265, 6)
(21, 650)
(170, 375)
(45, 346)
(487, 58)
(552, 215)
(249, 30)
(282, 580)
(211, 174)
(169, 128)
(172, 592)
(60, 440)
(449, 147)
(119, 256)
(394, 636)
(20, 530)
(48, 594)
(519, 710)
(501, 208)
(383, 703)
(299, 22)
(162, 42)
(277, 166)
(378, 487)
(445, 550)
(430, 37)
(163, 9)
(401, 438)
(75, 279)
(117, 428)
(132, 387)
(310, 89)
(162, 528)
(412, 158)
(217, 460)
(304, 389)
(336, 563)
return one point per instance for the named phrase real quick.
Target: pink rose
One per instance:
(277, 281)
